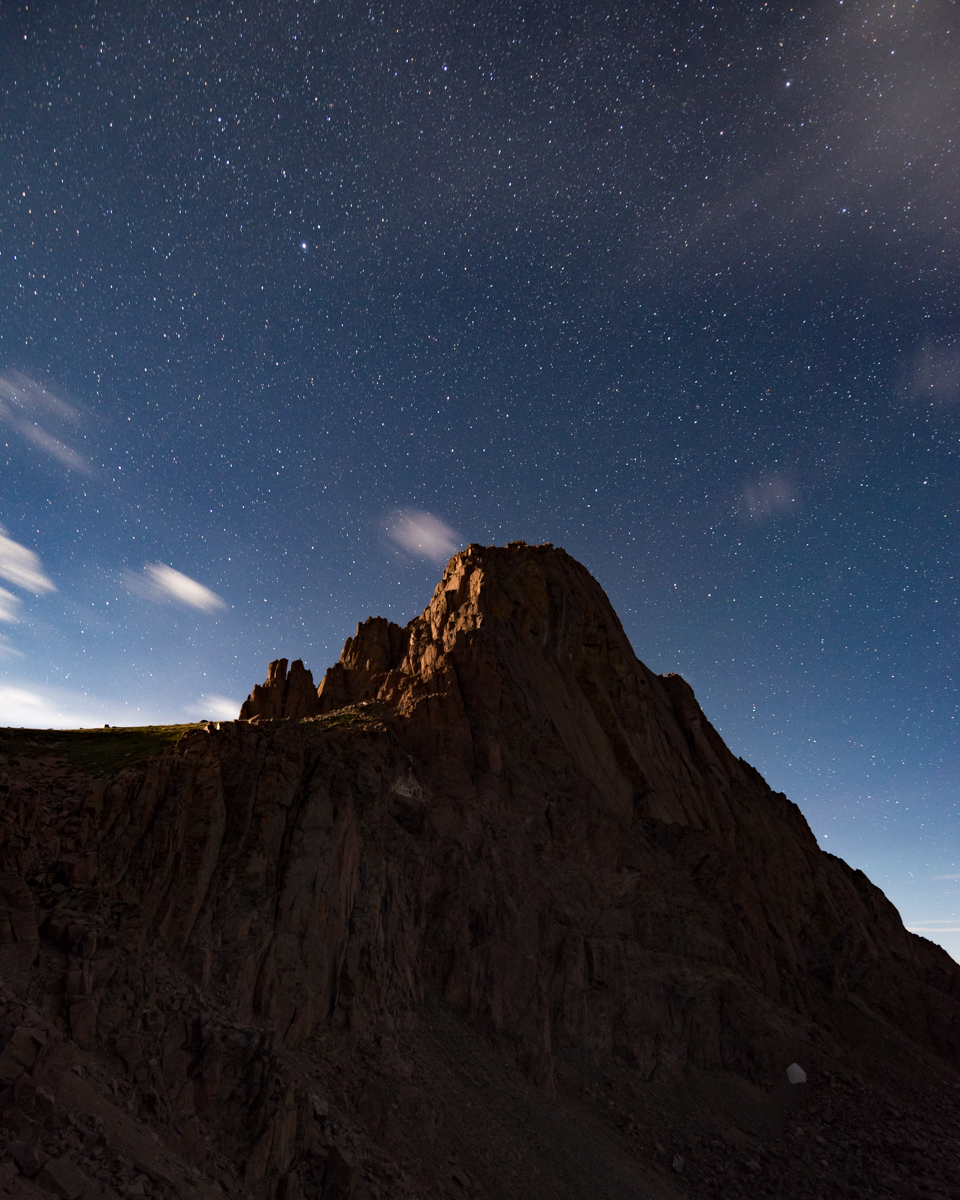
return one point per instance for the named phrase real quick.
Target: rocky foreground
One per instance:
(493, 913)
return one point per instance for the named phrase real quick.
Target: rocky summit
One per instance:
(492, 913)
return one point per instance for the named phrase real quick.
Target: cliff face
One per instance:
(633, 845)
(501, 841)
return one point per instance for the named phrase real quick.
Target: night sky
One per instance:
(296, 300)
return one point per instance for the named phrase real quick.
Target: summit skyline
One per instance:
(297, 304)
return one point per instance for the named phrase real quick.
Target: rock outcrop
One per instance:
(283, 695)
(496, 913)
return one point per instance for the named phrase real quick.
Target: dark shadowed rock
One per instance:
(503, 915)
(63, 1178)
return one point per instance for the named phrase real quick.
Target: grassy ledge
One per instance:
(96, 751)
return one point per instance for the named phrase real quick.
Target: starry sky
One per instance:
(298, 299)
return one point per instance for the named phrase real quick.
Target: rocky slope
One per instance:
(495, 913)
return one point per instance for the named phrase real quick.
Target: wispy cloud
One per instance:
(20, 707)
(884, 148)
(214, 707)
(946, 876)
(30, 707)
(928, 928)
(7, 648)
(9, 604)
(160, 583)
(45, 420)
(21, 566)
(936, 374)
(769, 496)
(423, 534)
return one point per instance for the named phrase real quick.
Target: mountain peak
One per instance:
(492, 846)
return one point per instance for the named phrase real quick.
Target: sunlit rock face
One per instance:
(491, 832)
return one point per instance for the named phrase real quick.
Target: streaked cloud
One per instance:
(32, 707)
(212, 707)
(769, 496)
(880, 150)
(19, 707)
(9, 603)
(21, 566)
(423, 534)
(24, 708)
(42, 418)
(160, 583)
(929, 928)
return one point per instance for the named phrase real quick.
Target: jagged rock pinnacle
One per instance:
(283, 695)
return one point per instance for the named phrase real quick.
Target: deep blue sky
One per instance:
(672, 286)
